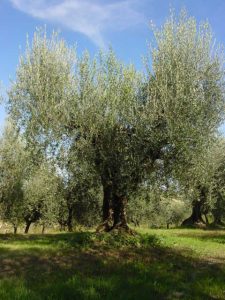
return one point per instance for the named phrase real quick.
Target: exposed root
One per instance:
(104, 227)
(122, 228)
(119, 228)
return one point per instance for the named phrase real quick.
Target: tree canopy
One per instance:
(123, 124)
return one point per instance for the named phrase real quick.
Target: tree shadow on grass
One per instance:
(105, 267)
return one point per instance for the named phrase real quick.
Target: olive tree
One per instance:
(123, 123)
(205, 184)
(42, 196)
(218, 183)
(91, 103)
(13, 158)
(159, 202)
(218, 190)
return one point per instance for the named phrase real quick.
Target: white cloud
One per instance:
(90, 17)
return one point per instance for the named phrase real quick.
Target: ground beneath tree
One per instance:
(155, 264)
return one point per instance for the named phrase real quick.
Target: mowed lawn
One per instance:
(154, 264)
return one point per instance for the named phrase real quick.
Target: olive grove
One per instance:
(110, 130)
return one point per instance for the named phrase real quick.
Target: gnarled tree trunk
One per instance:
(196, 216)
(197, 205)
(119, 211)
(197, 209)
(218, 211)
(43, 229)
(114, 211)
(28, 223)
(106, 209)
(32, 217)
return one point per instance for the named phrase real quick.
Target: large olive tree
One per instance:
(124, 124)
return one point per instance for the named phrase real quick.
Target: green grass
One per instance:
(154, 264)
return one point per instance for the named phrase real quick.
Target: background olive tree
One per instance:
(43, 195)
(13, 158)
(29, 192)
(218, 190)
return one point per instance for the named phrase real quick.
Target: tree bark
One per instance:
(218, 211)
(106, 202)
(14, 229)
(28, 223)
(43, 229)
(119, 213)
(106, 209)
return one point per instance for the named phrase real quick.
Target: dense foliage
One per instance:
(106, 135)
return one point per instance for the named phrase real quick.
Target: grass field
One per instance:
(155, 264)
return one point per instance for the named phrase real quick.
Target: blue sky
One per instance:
(93, 24)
